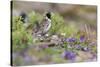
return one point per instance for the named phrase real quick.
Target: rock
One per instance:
(85, 55)
(55, 39)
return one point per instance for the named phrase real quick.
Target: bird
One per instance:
(44, 26)
(24, 19)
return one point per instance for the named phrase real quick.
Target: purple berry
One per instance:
(82, 38)
(70, 55)
(70, 39)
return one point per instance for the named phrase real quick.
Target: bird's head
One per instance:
(23, 17)
(48, 15)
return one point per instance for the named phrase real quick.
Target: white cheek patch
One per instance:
(49, 20)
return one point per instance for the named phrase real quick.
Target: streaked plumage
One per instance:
(44, 26)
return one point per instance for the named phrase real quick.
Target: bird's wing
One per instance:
(36, 27)
(43, 24)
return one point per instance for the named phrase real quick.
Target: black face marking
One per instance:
(48, 15)
(23, 15)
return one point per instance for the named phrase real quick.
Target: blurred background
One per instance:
(72, 13)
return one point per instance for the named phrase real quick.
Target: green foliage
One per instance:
(33, 18)
(20, 37)
(16, 23)
(57, 22)
(60, 26)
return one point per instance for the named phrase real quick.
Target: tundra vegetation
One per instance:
(66, 41)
